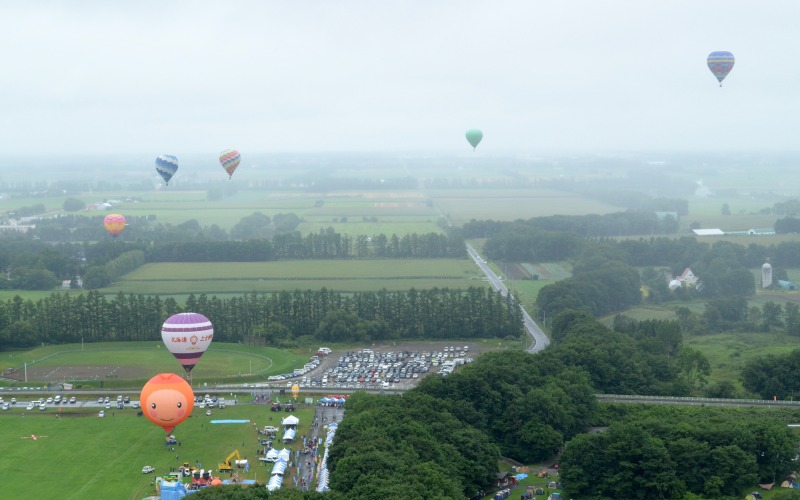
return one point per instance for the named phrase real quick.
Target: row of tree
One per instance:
(284, 318)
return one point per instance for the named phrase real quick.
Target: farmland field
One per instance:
(462, 206)
(343, 276)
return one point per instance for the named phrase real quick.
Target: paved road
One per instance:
(539, 339)
(687, 401)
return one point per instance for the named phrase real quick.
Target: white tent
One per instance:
(272, 455)
(289, 435)
(285, 454)
(279, 467)
(275, 483)
(291, 420)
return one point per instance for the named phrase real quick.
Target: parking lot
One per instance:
(375, 368)
(55, 401)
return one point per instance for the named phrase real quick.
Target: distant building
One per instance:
(766, 275)
(787, 285)
(708, 232)
(687, 278)
(767, 231)
(761, 232)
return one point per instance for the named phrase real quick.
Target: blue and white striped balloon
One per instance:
(166, 166)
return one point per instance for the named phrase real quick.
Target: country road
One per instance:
(538, 337)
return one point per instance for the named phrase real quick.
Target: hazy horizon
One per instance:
(185, 78)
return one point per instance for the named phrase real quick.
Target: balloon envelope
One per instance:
(114, 224)
(166, 166)
(474, 137)
(187, 336)
(720, 63)
(167, 400)
(230, 159)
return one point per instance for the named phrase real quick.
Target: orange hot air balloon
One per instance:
(114, 224)
(167, 400)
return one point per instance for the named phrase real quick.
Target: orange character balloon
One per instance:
(167, 400)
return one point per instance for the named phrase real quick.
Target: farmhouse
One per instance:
(687, 278)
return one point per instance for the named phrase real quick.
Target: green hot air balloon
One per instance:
(474, 137)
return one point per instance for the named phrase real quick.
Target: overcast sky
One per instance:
(156, 77)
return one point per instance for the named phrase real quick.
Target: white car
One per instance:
(29, 407)
(101, 414)
(147, 469)
(5, 406)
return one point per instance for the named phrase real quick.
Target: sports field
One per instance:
(124, 364)
(342, 276)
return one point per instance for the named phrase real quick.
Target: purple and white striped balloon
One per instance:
(187, 336)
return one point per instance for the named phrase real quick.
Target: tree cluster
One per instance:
(529, 405)
(408, 446)
(773, 375)
(668, 452)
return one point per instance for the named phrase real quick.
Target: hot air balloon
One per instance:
(187, 336)
(474, 137)
(230, 159)
(720, 63)
(167, 400)
(114, 224)
(166, 166)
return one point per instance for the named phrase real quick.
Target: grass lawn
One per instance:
(121, 364)
(83, 456)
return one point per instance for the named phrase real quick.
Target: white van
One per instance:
(324, 350)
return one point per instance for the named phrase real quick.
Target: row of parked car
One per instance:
(375, 369)
(209, 401)
(40, 404)
(313, 362)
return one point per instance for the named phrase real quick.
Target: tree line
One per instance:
(284, 318)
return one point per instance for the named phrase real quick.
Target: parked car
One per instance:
(147, 469)
(101, 414)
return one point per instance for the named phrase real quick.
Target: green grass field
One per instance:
(729, 352)
(344, 276)
(82, 456)
(127, 364)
